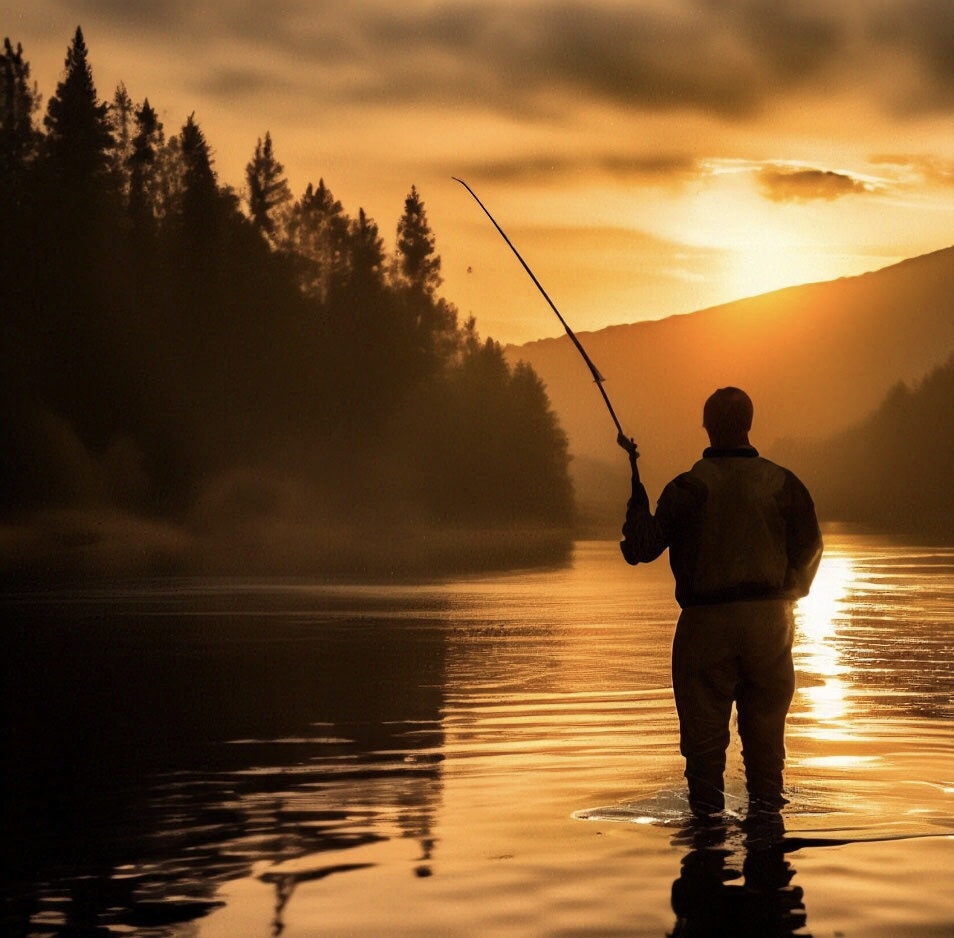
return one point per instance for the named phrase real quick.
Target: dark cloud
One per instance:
(235, 82)
(922, 33)
(144, 19)
(636, 56)
(662, 168)
(730, 58)
(802, 185)
(794, 39)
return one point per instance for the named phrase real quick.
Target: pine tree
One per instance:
(19, 260)
(19, 141)
(417, 265)
(366, 255)
(268, 192)
(169, 176)
(539, 451)
(198, 209)
(317, 237)
(146, 145)
(121, 118)
(79, 140)
(19, 136)
(361, 317)
(426, 323)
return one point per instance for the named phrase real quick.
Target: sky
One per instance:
(646, 157)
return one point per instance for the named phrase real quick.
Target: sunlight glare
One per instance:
(819, 611)
(817, 618)
(763, 245)
(763, 266)
(827, 700)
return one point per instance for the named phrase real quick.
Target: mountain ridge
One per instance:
(816, 358)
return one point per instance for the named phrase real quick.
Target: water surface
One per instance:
(234, 758)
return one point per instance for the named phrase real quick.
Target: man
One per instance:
(744, 544)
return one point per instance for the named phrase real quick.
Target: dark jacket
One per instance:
(737, 526)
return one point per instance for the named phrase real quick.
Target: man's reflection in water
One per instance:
(715, 898)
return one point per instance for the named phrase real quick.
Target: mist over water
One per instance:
(229, 757)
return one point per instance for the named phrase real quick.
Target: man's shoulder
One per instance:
(790, 485)
(784, 470)
(749, 468)
(690, 484)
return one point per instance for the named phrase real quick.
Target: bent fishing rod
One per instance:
(622, 439)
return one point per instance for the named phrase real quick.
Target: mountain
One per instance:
(892, 470)
(816, 360)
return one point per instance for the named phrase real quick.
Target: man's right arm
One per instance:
(647, 535)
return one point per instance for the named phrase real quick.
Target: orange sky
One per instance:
(647, 158)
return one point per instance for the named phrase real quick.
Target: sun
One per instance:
(765, 246)
(770, 262)
(757, 245)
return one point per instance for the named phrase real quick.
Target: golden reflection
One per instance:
(827, 702)
(817, 618)
(839, 761)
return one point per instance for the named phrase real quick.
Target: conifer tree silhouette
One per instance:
(79, 140)
(268, 192)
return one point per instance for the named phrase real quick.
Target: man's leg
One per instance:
(765, 694)
(704, 677)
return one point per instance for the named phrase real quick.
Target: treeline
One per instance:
(892, 471)
(199, 378)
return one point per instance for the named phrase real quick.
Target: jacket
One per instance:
(738, 527)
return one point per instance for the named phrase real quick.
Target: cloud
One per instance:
(730, 58)
(664, 168)
(652, 56)
(915, 169)
(783, 184)
(921, 32)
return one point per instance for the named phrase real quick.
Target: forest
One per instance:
(892, 470)
(198, 378)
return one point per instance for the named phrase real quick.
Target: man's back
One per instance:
(737, 527)
(731, 538)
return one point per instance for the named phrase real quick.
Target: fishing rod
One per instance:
(622, 439)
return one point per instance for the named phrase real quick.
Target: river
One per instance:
(492, 756)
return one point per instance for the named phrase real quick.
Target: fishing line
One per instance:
(622, 439)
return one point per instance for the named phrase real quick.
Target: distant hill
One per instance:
(892, 470)
(816, 359)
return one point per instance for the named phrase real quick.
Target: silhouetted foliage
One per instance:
(365, 257)
(417, 264)
(121, 121)
(19, 142)
(19, 136)
(426, 325)
(893, 470)
(79, 140)
(487, 443)
(144, 204)
(317, 234)
(229, 389)
(268, 190)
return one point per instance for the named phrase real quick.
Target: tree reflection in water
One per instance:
(160, 746)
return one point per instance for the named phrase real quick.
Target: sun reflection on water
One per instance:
(818, 617)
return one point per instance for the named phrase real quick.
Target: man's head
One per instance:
(727, 418)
